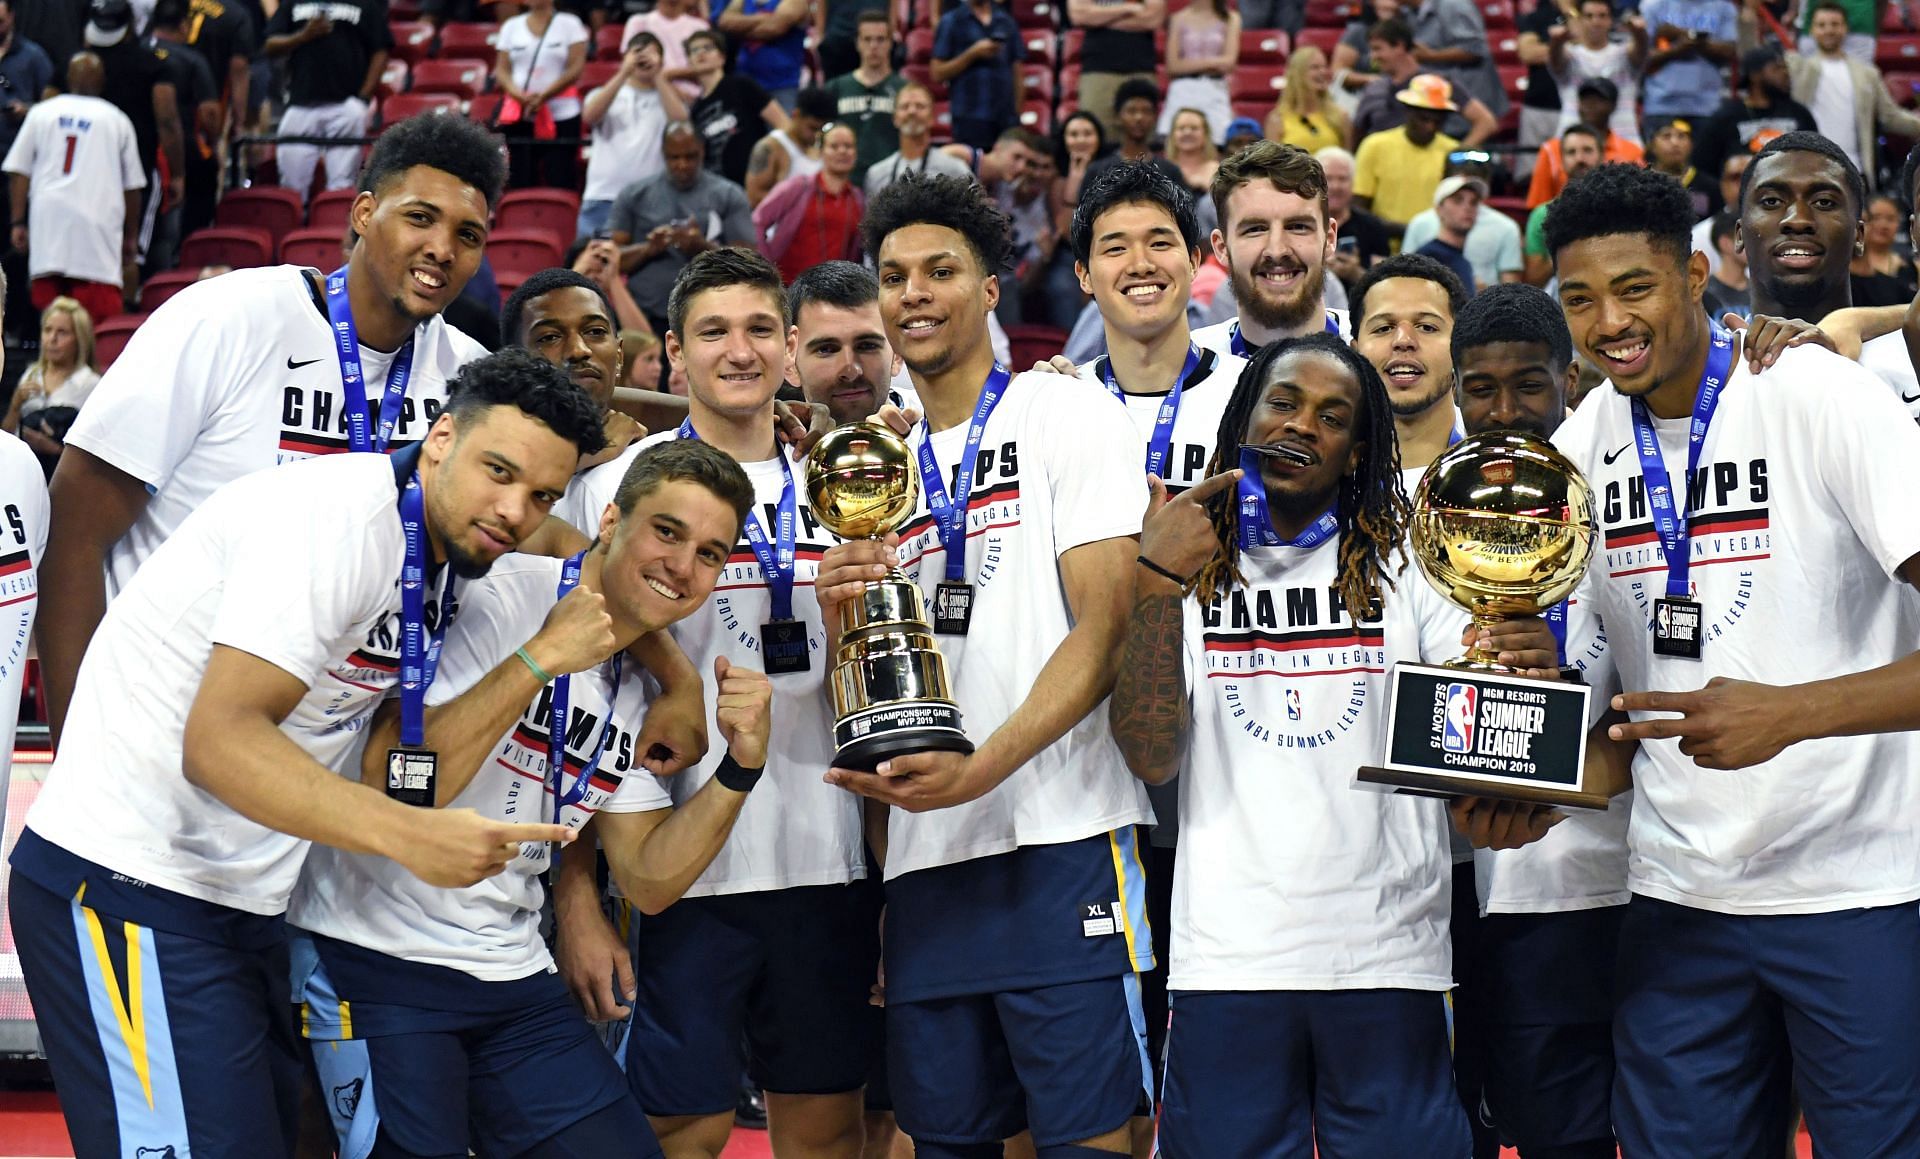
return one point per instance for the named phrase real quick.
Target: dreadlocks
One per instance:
(1373, 509)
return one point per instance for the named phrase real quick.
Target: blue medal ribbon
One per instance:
(346, 345)
(1670, 518)
(950, 515)
(776, 558)
(419, 650)
(1238, 344)
(557, 715)
(1556, 618)
(1162, 439)
(1256, 525)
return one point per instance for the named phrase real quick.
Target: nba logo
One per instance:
(1293, 704)
(1456, 734)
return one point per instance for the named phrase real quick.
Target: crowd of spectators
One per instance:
(1446, 126)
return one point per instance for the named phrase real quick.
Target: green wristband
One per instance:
(539, 673)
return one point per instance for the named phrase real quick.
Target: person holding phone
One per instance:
(626, 117)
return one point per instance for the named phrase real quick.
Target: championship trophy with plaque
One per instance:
(891, 694)
(1503, 525)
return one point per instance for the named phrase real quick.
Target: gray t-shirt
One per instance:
(891, 168)
(718, 205)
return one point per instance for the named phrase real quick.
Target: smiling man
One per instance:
(244, 371)
(1275, 238)
(1801, 202)
(1753, 540)
(838, 354)
(1403, 311)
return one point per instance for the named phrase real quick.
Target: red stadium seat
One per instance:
(1252, 84)
(606, 42)
(485, 107)
(1040, 45)
(1321, 38)
(273, 208)
(465, 78)
(924, 74)
(328, 210)
(596, 73)
(393, 79)
(508, 281)
(524, 250)
(1506, 47)
(404, 9)
(1071, 42)
(1513, 78)
(1258, 110)
(1036, 84)
(1902, 86)
(1264, 46)
(1897, 52)
(1038, 116)
(1032, 13)
(238, 246)
(919, 46)
(1332, 13)
(1498, 15)
(393, 110)
(942, 121)
(1514, 207)
(316, 246)
(110, 336)
(155, 291)
(412, 40)
(1030, 344)
(469, 40)
(550, 211)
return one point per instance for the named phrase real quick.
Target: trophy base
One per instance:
(1442, 785)
(868, 738)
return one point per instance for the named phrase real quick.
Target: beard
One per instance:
(1289, 315)
(466, 565)
(1406, 406)
(1805, 299)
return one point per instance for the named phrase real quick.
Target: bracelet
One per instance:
(732, 775)
(1151, 566)
(539, 673)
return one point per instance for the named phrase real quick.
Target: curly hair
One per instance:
(1131, 183)
(1513, 312)
(1802, 141)
(954, 202)
(1373, 508)
(1615, 199)
(1417, 266)
(520, 378)
(453, 145)
(512, 319)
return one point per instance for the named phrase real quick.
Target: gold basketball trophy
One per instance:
(1503, 526)
(891, 694)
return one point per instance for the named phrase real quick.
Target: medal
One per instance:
(783, 639)
(346, 346)
(953, 598)
(412, 769)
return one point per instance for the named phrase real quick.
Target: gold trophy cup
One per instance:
(1503, 526)
(891, 694)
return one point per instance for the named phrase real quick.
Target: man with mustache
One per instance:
(838, 352)
(1275, 237)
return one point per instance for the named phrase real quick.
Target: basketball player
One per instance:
(841, 359)
(1310, 950)
(244, 371)
(776, 936)
(1015, 905)
(1549, 913)
(220, 697)
(457, 983)
(1275, 237)
(23, 542)
(1772, 921)
(1403, 312)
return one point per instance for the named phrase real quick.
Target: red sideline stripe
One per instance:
(1260, 641)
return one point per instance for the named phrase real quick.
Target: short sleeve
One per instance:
(477, 642)
(944, 36)
(1726, 22)
(378, 37)
(1537, 232)
(1093, 461)
(1865, 442)
(638, 792)
(1365, 181)
(289, 593)
(1509, 259)
(25, 145)
(572, 32)
(156, 400)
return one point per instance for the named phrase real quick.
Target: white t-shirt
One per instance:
(1289, 877)
(74, 391)
(491, 930)
(1804, 519)
(1612, 61)
(1059, 466)
(795, 829)
(1582, 862)
(23, 540)
(1196, 428)
(1886, 356)
(1219, 336)
(298, 566)
(79, 156)
(626, 143)
(231, 375)
(537, 60)
(1833, 109)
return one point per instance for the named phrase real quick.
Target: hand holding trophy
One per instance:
(891, 694)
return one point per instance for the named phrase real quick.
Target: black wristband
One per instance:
(740, 780)
(1151, 566)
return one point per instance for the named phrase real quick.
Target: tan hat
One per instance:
(1428, 91)
(1451, 185)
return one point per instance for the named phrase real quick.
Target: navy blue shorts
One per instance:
(1549, 1025)
(502, 1067)
(159, 1041)
(1068, 1062)
(788, 970)
(1365, 1074)
(1720, 1013)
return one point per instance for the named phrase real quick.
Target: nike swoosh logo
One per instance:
(1905, 397)
(292, 365)
(1608, 459)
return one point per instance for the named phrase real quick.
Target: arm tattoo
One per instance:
(762, 156)
(1150, 713)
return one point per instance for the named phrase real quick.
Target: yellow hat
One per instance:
(1428, 91)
